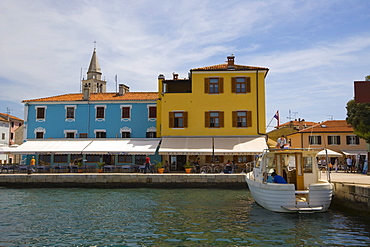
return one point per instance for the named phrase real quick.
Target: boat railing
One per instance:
(249, 166)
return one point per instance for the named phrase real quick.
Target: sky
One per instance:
(314, 50)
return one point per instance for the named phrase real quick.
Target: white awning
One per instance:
(186, 145)
(124, 146)
(354, 152)
(4, 150)
(239, 145)
(330, 153)
(209, 145)
(51, 146)
(129, 146)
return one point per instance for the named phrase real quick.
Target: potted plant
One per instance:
(100, 166)
(79, 164)
(160, 167)
(188, 167)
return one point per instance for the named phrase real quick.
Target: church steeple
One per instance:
(94, 82)
(94, 71)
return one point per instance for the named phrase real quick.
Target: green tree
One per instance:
(367, 78)
(358, 115)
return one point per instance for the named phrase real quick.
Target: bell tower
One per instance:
(94, 81)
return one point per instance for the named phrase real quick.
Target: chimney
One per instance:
(161, 76)
(175, 76)
(123, 89)
(86, 95)
(230, 62)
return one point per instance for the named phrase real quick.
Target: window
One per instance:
(3, 136)
(100, 134)
(83, 135)
(100, 112)
(240, 85)
(39, 135)
(11, 136)
(75, 158)
(44, 159)
(353, 140)
(125, 134)
(140, 159)
(126, 112)
(40, 112)
(60, 158)
(151, 134)
(216, 159)
(124, 158)
(242, 119)
(12, 124)
(178, 119)
(70, 112)
(92, 158)
(152, 111)
(314, 140)
(242, 159)
(213, 85)
(70, 134)
(214, 119)
(334, 140)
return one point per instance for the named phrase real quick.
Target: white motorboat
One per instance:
(307, 190)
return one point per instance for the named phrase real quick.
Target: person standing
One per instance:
(147, 165)
(32, 163)
(349, 164)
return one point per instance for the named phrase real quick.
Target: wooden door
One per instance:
(300, 172)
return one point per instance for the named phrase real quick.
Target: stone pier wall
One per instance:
(114, 180)
(352, 196)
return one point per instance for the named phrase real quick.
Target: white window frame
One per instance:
(40, 120)
(316, 138)
(353, 141)
(334, 140)
(126, 106)
(125, 129)
(96, 113)
(39, 129)
(70, 119)
(100, 130)
(70, 131)
(151, 119)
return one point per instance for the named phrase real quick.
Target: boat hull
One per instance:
(284, 198)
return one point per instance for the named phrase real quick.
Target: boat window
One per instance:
(291, 163)
(270, 162)
(307, 164)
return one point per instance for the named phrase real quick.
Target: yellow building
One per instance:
(217, 113)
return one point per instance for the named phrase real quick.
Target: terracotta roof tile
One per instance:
(329, 126)
(134, 96)
(225, 67)
(5, 116)
(296, 123)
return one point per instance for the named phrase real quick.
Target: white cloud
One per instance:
(46, 44)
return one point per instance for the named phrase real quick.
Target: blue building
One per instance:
(92, 126)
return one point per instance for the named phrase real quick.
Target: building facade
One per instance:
(216, 105)
(9, 126)
(124, 122)
(335, 135)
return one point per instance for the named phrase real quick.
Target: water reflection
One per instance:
(140, 217)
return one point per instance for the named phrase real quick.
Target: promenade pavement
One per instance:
(355, 178)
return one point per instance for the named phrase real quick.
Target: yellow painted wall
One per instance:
(198, 102)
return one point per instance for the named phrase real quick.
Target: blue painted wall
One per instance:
(85, 119)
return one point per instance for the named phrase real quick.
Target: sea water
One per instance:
(165, 217)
